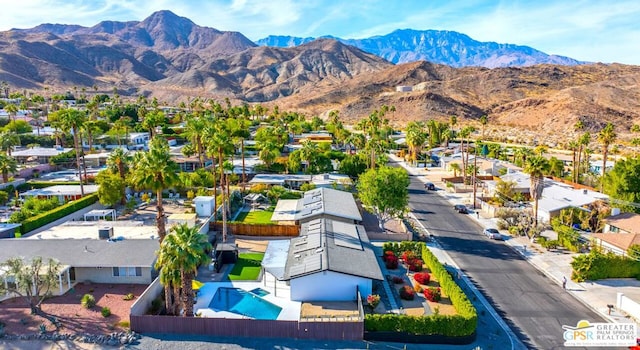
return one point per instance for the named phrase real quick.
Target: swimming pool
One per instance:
(241, 302)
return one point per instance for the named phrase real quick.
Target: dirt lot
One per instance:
(329, 309)
(67, 309)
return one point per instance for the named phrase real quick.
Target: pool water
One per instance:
(241, 302)
(259, 292)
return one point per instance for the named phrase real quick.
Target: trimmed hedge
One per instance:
(40, 220)
(32, 185)
(464, 323)
(598, 265)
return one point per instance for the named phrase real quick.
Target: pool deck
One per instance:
(279, 294)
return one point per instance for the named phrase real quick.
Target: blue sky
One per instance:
(598, 31)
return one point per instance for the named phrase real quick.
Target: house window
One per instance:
(614, 229)
(127, 271)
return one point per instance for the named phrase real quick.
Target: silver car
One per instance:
(492, 233)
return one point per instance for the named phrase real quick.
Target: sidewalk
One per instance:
(555, 264)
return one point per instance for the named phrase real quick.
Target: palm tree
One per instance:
(8, 165)
(169, 275)
(12, 109)
(220, 144)
(155, 170)
(239, 132)
(484, 120)
(118, 162)
(72, 120)
(153, 119)
(416, 137)
(456, 168)
(606, 136)
(193, 131)
(8, 139)
(583, 142)
(573, 146)
(536, 167)
(184, 249)
(308, 153)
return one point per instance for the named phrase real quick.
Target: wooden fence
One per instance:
(230, 327)
(258, 230)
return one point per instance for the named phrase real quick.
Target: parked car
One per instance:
(460, 208)
(430, 186)
(492, 233)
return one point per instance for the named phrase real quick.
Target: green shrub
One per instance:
(40, 220)
(598, 265)
(464, 323)
(567, 236)
(129, 296)
(88, 301)
(106, 312)
(550, 244)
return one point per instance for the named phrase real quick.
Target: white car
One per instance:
(492, 233)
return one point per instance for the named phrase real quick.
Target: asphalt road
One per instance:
(532, 305)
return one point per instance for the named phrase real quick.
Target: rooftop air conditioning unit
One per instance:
(105, 232)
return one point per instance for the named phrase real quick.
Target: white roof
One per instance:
(128, 229)
(285, 210)
(40, 152)
(318, 202)
(556, 196)
(60, 190)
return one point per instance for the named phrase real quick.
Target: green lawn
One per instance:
(255, 217)
(247, 268)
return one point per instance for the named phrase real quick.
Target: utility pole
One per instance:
(475, 172)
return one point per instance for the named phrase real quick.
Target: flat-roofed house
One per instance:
(64, 193)
(94, 260)
(329, 261)
(321, 202)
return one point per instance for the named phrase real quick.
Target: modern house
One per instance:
(295, 181)
(64, 193)
(318, 203)
(557, 196)
(94, 260)
(39, 155)
(330, 261)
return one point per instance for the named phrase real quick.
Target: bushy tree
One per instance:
(110, 189)
(384, 191)
(622, 183)
(32, 280)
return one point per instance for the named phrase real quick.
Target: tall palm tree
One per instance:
(8, 139)
(220, 144)
(573, 147)
(186, 250)
(455, 167)
(155, 170)
(606, 136)
(118, 162)
(72, 120)
(8, 165)
(536, 167)
(169, 275)
(583, 143)
(239, 132)
(193, 131)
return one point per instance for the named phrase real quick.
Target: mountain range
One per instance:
(437, 46)
(173, 59)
